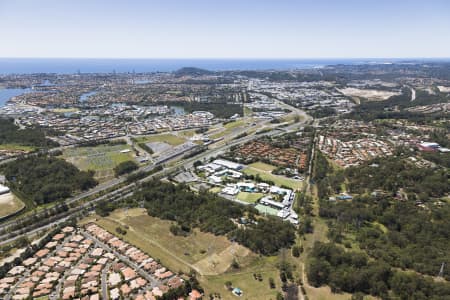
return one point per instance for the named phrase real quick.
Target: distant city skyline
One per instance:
(232, 29)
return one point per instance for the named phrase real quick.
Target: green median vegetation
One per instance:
(125, 168)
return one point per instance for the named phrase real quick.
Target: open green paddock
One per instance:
(278, 180)
(168, 138)
(102, 159)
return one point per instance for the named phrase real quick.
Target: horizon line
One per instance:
(229, 58)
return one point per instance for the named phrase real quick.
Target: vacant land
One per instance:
(9, 204)
(229, 127)
(249, 197)
(444, 89)
(374, 95)
(186, 133)
(101, 159)
(215, 190)
(325, 293)
(262, 166)
(16, 147)
(164, 138)
(278, 180)
(243, 279)
(153, 235)
(210, 256)
(290, 117)
(65, 110)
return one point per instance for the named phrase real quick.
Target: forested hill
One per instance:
(192, 71)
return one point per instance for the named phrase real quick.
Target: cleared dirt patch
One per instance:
(218, 263)
(444, 89)
(373, 95)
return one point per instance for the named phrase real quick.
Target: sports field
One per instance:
(102, 159)
(278, 180)
(249, 197)
(266, 210)
(164, 138)
(262, 166)
(9, 204)
(209, 255)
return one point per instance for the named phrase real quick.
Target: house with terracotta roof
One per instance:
(194, 295)
(128, 273)
(59, 236)
(125, 289)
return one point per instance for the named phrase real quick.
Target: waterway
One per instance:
(85, 97)
(177, 110)
(6, 94)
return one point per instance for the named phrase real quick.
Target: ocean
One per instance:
(70, 66)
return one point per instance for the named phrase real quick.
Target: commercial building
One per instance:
(228, 164)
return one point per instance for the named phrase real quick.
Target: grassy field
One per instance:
(165, 138)
(234, 124)
(102, 159)
(186, 133)
(249, 197)
(243, 279)
(229, 127)
(153, 235)
(262, 166)
(247, 112)
(209, 255)
(9, 204)
(278, 180)
(16, 147)
(65, 110)
(215, 190)
(266, 210)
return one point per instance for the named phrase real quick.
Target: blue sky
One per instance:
(225, 28)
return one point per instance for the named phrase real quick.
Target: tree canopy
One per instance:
(46, 179)
(10, 133)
